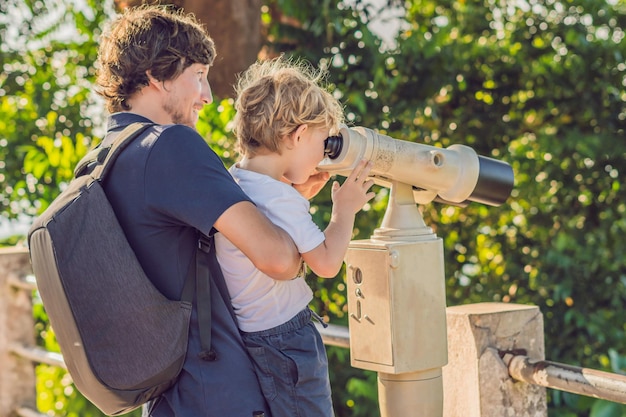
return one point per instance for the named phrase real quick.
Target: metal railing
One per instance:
(573, 379)
(583, 381)
(577, 380)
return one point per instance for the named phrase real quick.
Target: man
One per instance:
(168, 184)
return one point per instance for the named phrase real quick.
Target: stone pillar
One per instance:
(476, 381)
(17, 375)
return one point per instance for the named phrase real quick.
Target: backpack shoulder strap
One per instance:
(198, 282)
(206, 269)
(97, 160)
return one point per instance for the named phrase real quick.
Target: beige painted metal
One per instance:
(396, 303)
(583, 381)
(451, 173)
(412, 394)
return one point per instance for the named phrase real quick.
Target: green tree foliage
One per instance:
(48, 49)
(541, 87)
(539, 84)
(48, 116)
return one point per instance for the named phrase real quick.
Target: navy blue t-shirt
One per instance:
(164, 186)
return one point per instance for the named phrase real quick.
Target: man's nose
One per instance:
(207, 94)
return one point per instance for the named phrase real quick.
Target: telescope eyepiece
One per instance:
(332, 146)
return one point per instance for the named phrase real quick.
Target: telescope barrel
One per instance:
(454, 175)
(495, 182)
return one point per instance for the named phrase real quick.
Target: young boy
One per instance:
(283, 117)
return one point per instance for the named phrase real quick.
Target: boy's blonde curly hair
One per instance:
(275, 97)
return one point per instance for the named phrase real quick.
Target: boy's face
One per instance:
(307, 154)
(187, 95)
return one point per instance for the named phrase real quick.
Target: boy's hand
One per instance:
(326, 259)
(313, 185)
(353, 194)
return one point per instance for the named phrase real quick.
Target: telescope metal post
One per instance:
(395, 279)
(396, 302)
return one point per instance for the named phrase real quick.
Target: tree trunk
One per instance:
(235, 26)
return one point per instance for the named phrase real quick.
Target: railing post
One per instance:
(476, 380)
(17, 375)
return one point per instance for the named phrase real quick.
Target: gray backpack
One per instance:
(123, 341)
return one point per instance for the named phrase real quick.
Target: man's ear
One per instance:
(153, 82)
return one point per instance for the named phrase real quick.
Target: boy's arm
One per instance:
(267, 246)
(326, 259)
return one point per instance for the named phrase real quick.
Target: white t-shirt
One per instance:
(261, 302)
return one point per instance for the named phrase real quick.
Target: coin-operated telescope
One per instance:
(395, 279)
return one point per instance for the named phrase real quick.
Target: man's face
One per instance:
(188, 93)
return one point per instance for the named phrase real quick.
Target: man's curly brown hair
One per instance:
(159, 39)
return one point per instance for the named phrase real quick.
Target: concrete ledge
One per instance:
(476, 380)
(17, 378)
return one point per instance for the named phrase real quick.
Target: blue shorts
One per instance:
(292, 367)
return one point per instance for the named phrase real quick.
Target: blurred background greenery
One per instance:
(540, 84)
